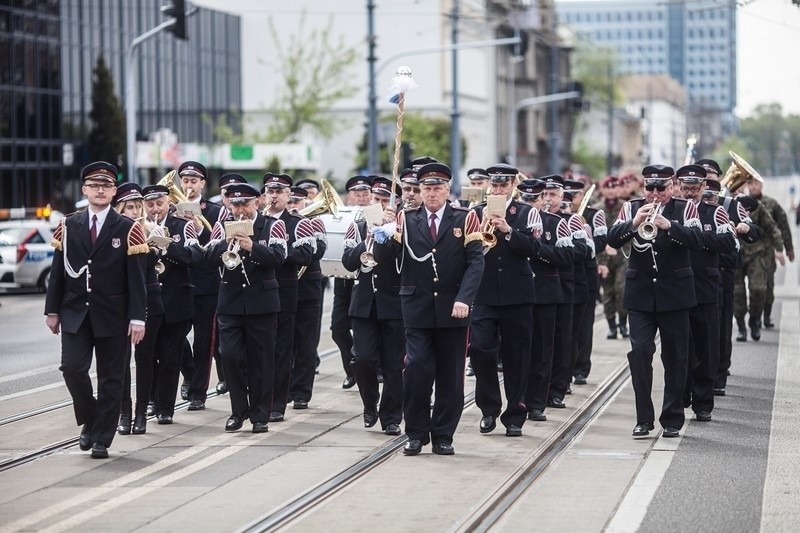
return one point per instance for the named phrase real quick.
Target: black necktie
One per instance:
(93, 230)
(433, 227)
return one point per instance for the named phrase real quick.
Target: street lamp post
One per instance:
(529, 102)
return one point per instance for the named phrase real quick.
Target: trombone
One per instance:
(648, 230)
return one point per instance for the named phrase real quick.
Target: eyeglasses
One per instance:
(98, 186)
(659, 188)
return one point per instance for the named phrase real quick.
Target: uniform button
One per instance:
(433, 250)
(88, 290)
(499, 257)
(244, 284)
(436, 294)
(499, 269)
(87, 304)
(88, 275)
(655, 253)
(160, 284)
(436, 280)
(89, 262)
(374, 275)
(374, 290)
(654, 280)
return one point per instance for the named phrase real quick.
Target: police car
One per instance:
(25, 252)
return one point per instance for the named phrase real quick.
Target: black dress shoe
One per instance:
(260, 427)
(719, 391)
(580, 379)
(702, 416)
(221, 387)
(623, 331)
(569, 390)
(234, 423)
(671, 433)
(99, 451)
(196, 405)
(558, 403)
(184, 391)
(470, 371)
(164, 419)
(348, 382)
(488, 423)
(300, 404)
(370, 418)
(124, 426)
(643, 430)
(151, 409)
(139, 425)
(276, 416)
(443, 449)
(392, 429)
(537, 416)
(412, 447)
(612, 333)
(85, 440)
(768, 323)
(513, 431)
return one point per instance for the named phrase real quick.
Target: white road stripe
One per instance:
(780, 502)
(29, 373)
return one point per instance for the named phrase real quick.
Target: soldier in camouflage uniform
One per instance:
(779, 216)
(611, 263)
(754, 267)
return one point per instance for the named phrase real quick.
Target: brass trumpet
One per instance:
(487, 235)
(648, 230)
(231, 258)
(367, 258)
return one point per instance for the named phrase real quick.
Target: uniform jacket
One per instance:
(309, 286)
(598, 231)
(301, 246)
(251, 288)
(155, 306)
(573, 277)
(610, 213)
(771, 240)
(428, 294)
(378, 286)
(555, 251)
(109, 284)
(176, 283)
(205, 280)
(507, 274)
(718, 238)
(659, 276)
(737, 214)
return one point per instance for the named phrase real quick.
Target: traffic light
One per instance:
(578, 103)
(177, 10)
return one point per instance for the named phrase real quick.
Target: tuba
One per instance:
(648, 230)
(739, 173)
(176, 195)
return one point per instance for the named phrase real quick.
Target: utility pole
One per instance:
(610, 152)
(555, 136)
(455, 133)
(372, 118)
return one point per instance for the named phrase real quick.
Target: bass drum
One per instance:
(336, 228)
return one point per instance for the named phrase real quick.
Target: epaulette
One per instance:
(411, 209)
(296, 215)
(137, 242)
(459, 208)
(55, 242)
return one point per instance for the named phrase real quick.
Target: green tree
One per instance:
(764, 132)
(596, 68)
(426, 136)
(593, 161)
(733, 143)
(107, 136)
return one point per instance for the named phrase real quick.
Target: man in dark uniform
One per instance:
(358, 194)
(440, 248)
(597, 229)
(176, 294)
(247, 308)
(205, 286)
(312, 189)
(308, 317)
(501, 316)
(378, 335)
(97, 298)
(612, 263)
(410, 184)
(659, 291)
(718, 238)
(746, 232)
(301, 246)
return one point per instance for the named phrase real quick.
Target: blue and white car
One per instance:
(25, 253)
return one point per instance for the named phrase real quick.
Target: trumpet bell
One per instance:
(739, 173)
(368, 260)
(160, 268)
(647, 231)
(231, 260)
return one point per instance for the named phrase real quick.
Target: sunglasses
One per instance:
(659, 188)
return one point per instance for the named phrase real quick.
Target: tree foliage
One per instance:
(596, 68)
(592, 160)
(107, 136)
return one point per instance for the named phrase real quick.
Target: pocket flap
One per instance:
(684, 273)
(406, 290)
(631, 273)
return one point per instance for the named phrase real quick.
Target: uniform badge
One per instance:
(176, 238)
(262, 242)
(547, 235)
(202, 205)
(115, 242)
(457, 232)
(707, 227)
(512, 210)
(537, 233)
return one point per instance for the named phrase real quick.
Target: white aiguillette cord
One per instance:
(414, 256)
(67, 266)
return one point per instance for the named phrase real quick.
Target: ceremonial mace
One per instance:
(401, 84)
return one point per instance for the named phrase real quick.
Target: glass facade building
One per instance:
(692, 41)
(48, 51)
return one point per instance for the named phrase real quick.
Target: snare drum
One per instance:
(336, 228)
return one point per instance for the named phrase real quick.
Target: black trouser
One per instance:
(340, 322)
(380, 344)
(306, 338)
(505, 328)
(544, 331)
(584, 337)
(434, 355)
(206, 344)
(284, 347)
(76, 358)
(725, 329)
(703, 356)
(168, 351)
(673, 326)
(561, 375)
(144, 367)
(248, 342)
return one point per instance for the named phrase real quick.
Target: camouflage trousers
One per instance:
(613, 287)
(755, 269)
(772, 267)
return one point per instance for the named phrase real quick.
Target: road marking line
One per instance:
(29, 373)
(780, 509)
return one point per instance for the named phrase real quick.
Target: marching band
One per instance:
(508, 276)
